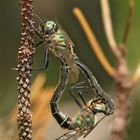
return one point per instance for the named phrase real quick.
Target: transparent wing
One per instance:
(66, 35)
(85, 89)
(71, 135)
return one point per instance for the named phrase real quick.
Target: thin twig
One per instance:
(136, 76)
(25, 56)
(128, 22)
(107, 22)
(93, 41)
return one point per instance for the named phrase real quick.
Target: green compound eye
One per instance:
(50, 24)
(49, 27)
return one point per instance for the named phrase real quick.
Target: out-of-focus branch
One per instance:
(124, 86)
(37, 87)
(25, 56)
(93, 41)
(41, 118)
(120, 74)
(129, 21)
(106, 16)
(136, 76)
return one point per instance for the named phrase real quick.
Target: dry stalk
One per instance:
(123, 105)
(128, 22)
(106, 16)
(136, 76)
(93, 41)
(25, 56)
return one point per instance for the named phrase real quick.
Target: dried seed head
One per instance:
(24, 109)
(25, 85)
(24, 134)
(25, 56)
(21, 90)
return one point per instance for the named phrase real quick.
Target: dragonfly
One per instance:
(86, 119)
(58, 43)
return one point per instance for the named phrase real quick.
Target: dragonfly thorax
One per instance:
(84, 120)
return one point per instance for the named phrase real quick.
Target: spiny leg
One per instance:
(35, 30)
(46, 59)
(46, 56)
(45, 62)
(39, 43)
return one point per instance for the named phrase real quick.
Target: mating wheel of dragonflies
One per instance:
(58, 43)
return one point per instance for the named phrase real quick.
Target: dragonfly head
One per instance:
(48, 27)
(97, 106)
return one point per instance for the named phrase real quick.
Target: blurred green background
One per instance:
(62, 11)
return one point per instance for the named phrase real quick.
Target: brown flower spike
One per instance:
(25, 59)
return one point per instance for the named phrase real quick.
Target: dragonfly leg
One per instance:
(39, 43)
(62, 119)
(45, 62)
(35, 30)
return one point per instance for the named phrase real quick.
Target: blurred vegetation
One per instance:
(62, 10)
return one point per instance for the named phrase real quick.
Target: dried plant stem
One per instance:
(25, 56)
(136, 76)
(129, 21)
(124, 88)
(93, 41)
(120, 122)
(106, 16)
